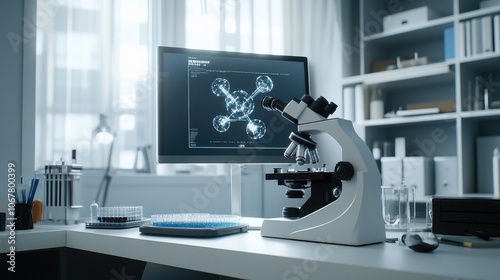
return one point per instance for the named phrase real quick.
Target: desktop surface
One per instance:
(251, 256)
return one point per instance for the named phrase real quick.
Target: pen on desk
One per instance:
(23, 196)
(19, 188)
(16, 197)
(32, 183)
(457, 243)
(33, 187)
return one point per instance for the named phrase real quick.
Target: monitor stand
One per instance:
(235, 173)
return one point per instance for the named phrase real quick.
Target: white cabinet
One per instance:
(430, 65)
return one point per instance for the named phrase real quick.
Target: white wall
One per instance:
(11, 73)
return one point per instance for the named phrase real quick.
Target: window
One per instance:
(93, 58)
(98, 57)
(234, 25)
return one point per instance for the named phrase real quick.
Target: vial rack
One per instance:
(62, 193)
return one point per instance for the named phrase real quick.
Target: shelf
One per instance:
(479, 12)
(430, 29)
(482, 62)
(442, 79)
(351, 81)
(481, 114)
(436, 71)
(410, 120)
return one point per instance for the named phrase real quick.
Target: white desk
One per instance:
(250, 256)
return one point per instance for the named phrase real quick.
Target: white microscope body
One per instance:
(354, 217)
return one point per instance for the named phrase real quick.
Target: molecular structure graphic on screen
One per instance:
(239, 105)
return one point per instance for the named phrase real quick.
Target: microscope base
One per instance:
(355, 218)
(278, 228)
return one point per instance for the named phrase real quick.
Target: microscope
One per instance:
(344, 206)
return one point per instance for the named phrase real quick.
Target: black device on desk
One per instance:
(463, 216)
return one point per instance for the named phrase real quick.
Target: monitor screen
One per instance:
(209, 105)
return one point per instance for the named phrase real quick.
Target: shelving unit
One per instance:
(452, 79)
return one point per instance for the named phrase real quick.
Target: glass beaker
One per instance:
(398, 206)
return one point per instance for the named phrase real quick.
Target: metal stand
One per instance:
(235, 173)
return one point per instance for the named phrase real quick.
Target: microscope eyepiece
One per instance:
(273, 104)
(322, 107)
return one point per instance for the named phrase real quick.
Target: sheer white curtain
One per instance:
(293, 27)
(232, 25)
(98, 57)
(314, 30)
(93, 58)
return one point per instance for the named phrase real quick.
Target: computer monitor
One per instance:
(209, 105)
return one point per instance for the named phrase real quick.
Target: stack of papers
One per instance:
(416, 112)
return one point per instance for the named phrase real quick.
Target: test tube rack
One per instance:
(62, 194)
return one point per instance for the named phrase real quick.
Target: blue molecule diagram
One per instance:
(239, 105)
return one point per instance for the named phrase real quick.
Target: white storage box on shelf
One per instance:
(419, 172)
(484, 165)
(446, 175)
(408, 18)
(391, 171)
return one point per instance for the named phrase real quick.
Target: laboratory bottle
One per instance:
(93, 211)
(376, 105)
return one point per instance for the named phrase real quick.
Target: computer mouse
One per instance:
(414, 241)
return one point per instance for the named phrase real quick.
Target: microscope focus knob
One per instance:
(344, 170)
(294, 193)
(291, 212)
